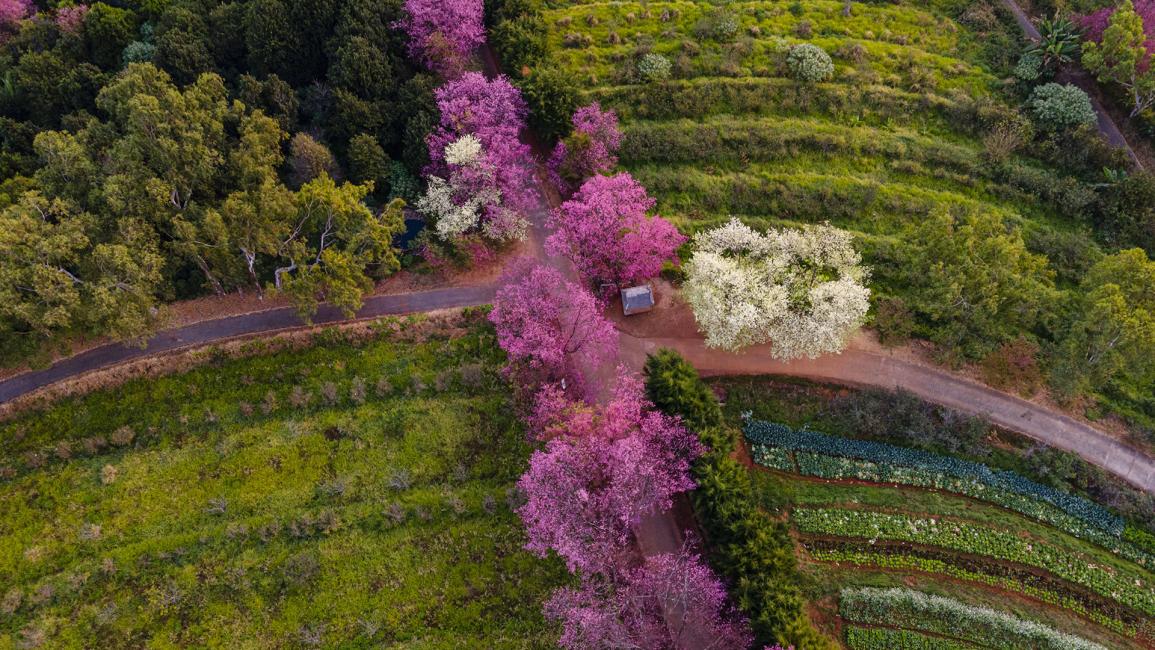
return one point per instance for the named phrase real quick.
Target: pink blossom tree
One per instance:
(13, 11)
(69, 19)
(591, 149)
(672, 600)
(605, 231)
(602, 471)
(443, 33)
(548, 325)
(492, 111)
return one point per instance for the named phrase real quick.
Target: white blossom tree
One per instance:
(458, 204)
(801, 290)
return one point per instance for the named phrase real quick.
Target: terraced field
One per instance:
(905, 130)
(345, 491)
(987, 539)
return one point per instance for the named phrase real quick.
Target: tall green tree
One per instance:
(337, 247)
(1111, 337)
(1121, 57)
(975, 283)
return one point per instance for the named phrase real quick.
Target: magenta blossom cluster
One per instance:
(633, 614)
(70, 19)
(443, 33)
(1095, 23)
(494, 112)
(591, 149)
(606, 233)
(604, 469)
(13, 11)
(549, 326)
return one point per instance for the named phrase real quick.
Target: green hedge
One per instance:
(747, 547)
(911, 609)
(1126, 587)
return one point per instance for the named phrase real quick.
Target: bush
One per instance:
(809, 63)
(654, 67)
(1058, 107)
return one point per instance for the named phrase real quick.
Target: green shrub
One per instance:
(809, 63)
(1059, 107)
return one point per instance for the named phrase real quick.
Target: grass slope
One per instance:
(350, 494)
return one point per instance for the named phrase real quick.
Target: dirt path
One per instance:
(1080, 78)
(859, 366)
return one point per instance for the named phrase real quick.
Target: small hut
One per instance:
(637, 300)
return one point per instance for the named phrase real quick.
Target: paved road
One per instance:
(1080, 78)
(225, 328)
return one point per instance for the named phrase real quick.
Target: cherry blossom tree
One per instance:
(603, 470)
(69, 19)
(443, 33)
(547, 324)
(591, 149)
(492, 114)
(802, 290)
(13, 11)
(605, 231)
(672, 600)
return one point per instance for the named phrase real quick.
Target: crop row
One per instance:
(1052, 594)
(777, 435)
(1128, 588)
(881, 638)
(833, 467)
(916, 610)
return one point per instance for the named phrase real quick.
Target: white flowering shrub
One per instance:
(801, 290)
(463, 151)
(1058, 107)
(810, 63)
(456, 205)
(654, 67)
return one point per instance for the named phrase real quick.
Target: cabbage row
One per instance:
(777, 435)
(916, 610)
(1127, 588)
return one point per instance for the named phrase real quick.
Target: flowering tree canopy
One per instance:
(493, 163)
(803, 290)
(602, 471)
(13, 11)
(604, 230)
(443, 33)
(591, 149)
(672, 600)
(69, 19)
(547, 323)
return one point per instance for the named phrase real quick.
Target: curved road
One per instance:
(856, 366)
(261, 322)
